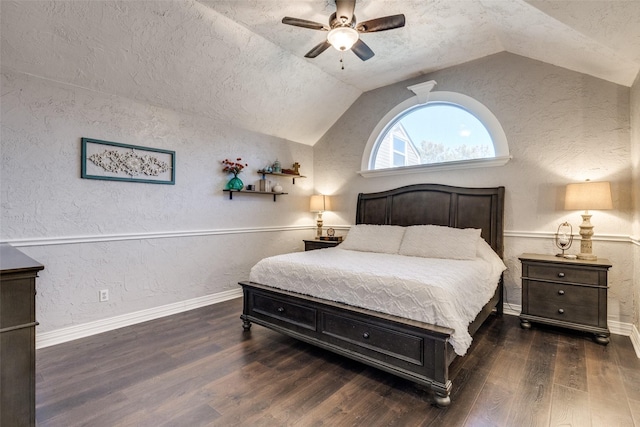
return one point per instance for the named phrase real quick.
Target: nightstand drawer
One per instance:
(543, 293)
(561, 273)
(273, 309)
(568, 303)
(567, 313)
(566, 293)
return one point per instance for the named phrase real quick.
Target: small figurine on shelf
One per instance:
(276, 167)
(296, 168)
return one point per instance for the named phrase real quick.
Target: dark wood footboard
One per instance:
(413, 350)
(417, 351)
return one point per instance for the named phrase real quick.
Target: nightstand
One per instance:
(567, 293)
(310, 245)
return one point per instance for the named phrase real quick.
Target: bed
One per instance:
(416, 350)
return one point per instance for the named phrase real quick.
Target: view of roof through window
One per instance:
(437, 132)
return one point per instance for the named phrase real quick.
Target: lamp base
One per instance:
(319, 225)
(586, 231)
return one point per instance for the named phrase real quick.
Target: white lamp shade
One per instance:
(588, 195)
(320, 203)
(342, 38)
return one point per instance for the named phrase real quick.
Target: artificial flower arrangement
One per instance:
(233, 167)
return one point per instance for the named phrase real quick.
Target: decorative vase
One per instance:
(277, 188)
(235, 183)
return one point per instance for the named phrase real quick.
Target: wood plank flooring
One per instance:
(200, 369)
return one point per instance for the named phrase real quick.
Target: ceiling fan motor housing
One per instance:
(335, 22)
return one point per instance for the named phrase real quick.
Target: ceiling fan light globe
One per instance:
(342, 38)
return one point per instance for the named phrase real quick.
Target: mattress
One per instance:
(442, 292)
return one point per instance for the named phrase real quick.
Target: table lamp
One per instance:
(587, 195)
(319, 203)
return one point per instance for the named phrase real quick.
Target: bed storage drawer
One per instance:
(381, 342)
(413, 350)
(281, 310)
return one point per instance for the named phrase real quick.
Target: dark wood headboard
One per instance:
(437, 204)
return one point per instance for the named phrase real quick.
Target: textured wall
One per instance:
(180, 55)
(44, 198)
(561, 126)
(635, 161)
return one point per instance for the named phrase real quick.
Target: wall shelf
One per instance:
(254, 192)
(292, 176)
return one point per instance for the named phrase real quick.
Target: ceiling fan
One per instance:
(344, 31)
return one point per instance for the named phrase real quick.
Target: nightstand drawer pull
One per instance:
(560, 292)
(366, 335)
(561, 310)
(280, 309)
(560, 274)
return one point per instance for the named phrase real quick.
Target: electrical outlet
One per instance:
(104, 295)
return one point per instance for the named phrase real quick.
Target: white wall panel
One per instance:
(149, 244)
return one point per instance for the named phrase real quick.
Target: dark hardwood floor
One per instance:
(199, 368)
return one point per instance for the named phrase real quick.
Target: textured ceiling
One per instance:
(600, 38)
(233, 60)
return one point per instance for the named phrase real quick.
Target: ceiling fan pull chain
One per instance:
(341, 61)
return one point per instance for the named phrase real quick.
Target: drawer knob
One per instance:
(366, 335)
(561, 310)
(560, 292)
(560, 274)
(280, 309)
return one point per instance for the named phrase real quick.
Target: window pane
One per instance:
(399, 145)
(438, 132)
(398, 159)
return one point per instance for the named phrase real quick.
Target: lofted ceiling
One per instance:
(235, 62)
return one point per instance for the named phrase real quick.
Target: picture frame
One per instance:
(114, 161)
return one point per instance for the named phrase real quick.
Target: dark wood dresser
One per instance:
(566, 293)
(18, 323)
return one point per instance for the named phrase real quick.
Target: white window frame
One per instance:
(423, 95)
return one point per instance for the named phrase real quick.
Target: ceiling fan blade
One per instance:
(344, 10)
(381, 24)
(362, 51)
(318, 49)
(297, 22)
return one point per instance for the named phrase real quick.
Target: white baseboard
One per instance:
(59, 336)
(511, 309)
(635, 340)
(620, 328)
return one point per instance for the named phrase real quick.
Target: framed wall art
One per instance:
(114, 161)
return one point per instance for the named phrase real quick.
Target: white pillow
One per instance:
(486, 252)
(374, 238)
(434, 241)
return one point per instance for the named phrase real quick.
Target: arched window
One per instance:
(446, 131)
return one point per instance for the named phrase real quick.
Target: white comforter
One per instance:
(438, 291)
